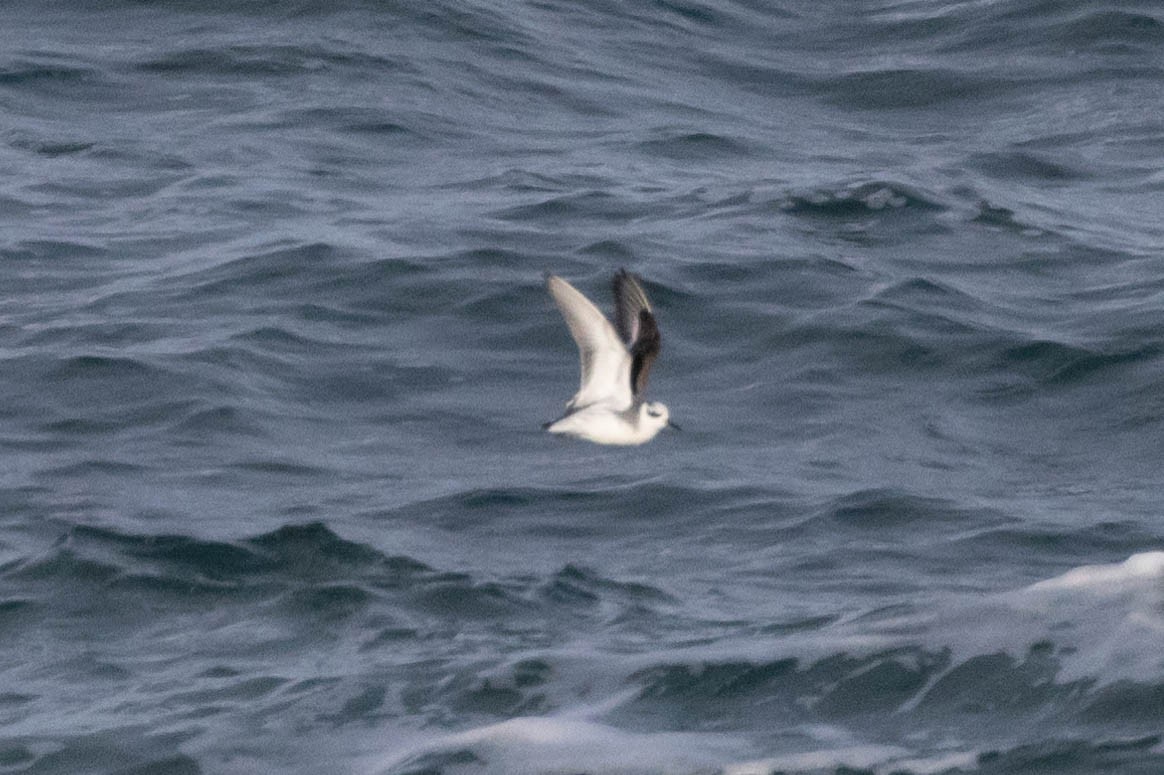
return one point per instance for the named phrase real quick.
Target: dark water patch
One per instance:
(868, 341)
(232, 691)
(15, 755)
(284, 271)
(121, 184)
(505, 691)
(991, 691)
(1113, 540)
(1058, 756)
(471, 24)
(390, 637)
(701, 14)
(912, 89)
(89, 469)
(494, 300)
(249, 61)
(859, 201)
(178, 764)
(1000, 217)
(573, 585)
(755, 76)
(314, 551)
(62, 565)
(1029, 166)
(179, 589)
(797, 625)
(786, 691)
(14, 613)
(268, 373)
(612, 250)
(317, 312)
(992, 684)
(592, 510)
(96, 380)
(438, 763)
(206, 559)
(479, 258)
(696, 145)
(207, 424)
(589, 206)
(384, 290)
(332, 602)
(289, 469)
(881, 687)
(279, 339)
(1059, 364)
(1112, 30)
(26, 73)
(115, 420)
(389, 382)
(125, 750)
(522, 181)
(933, 310)
(309, 558)
(458, 595)
(487, 699)
(52, 148)
(47, 254)
(886, 509)
(720, 679)
(1126, 702)
(107, 336)
(362, 707)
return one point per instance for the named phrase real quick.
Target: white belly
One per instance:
(602, 426)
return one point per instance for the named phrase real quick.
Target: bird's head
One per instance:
(656, 415)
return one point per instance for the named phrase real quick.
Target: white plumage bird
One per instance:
(609, 407)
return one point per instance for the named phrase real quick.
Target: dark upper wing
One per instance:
(644, 350)
(635, 322)
(629, 302)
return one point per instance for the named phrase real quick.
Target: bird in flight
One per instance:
(616, 360)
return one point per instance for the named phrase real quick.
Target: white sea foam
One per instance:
(879, 759)
(548, 745)
(1137, 572)
(551, 745)
(1111, 615)
(1105, 621)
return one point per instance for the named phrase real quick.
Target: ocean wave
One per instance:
(902, 88)
(26, 72)
(859, 200)
(599, 206)
(292, 555)
(698, 145)
(538, 745)
(264, 60)
(529, 745)
(1111, 29)
(1054, 364)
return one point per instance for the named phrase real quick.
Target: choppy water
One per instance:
(275, 353)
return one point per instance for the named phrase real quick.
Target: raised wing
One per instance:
(644, 351)
(636, 324)
(629, 301)
(606, 364)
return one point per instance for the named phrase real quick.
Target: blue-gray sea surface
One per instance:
(275, 353)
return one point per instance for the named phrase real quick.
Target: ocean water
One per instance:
(275, 354)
